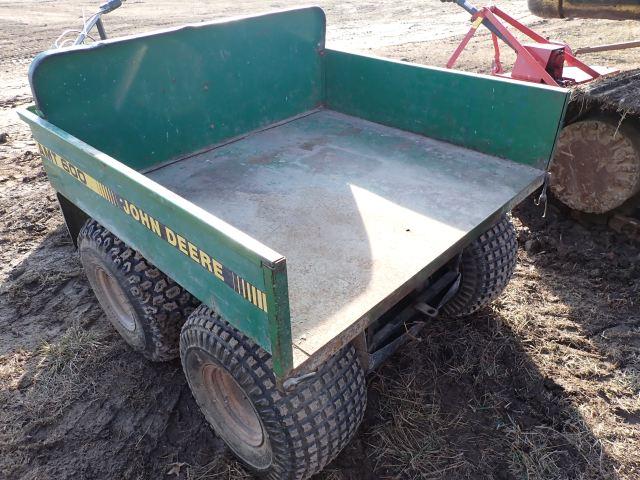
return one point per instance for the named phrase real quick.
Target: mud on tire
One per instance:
(144, 305)
(486, 268)
(277, 435)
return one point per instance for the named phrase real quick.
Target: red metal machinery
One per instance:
(542, 61)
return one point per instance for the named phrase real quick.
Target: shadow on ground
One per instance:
(466, 401)
(81, 404)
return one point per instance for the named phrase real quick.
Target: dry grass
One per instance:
(61, 371)
(450, 407)
(46, 382)
(412, 438)
(221, 468)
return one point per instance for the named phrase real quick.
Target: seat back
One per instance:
(150, 98)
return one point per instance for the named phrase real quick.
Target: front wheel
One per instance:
(277, 435)
(486, 268)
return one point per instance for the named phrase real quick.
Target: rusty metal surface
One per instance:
(362, 212)
(596, 167)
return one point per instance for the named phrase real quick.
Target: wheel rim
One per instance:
(228, 409)
(232, 406)
(117, 299)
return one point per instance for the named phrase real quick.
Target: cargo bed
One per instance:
(358, 209)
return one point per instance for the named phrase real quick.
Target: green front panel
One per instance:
(280, 319)
(508, 119)
(148, 99)
(224, 268)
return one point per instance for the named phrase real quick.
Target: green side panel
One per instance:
(147, 99)
(221, 266)
(514, 120)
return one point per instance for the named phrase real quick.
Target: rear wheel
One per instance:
(277, 435)
(145, 306)
(486, 268)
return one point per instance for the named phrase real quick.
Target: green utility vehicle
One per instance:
(280, 215)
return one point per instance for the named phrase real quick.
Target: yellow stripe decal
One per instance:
(248, 291)
(259, 301)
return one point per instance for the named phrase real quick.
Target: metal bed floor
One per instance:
(361, 211)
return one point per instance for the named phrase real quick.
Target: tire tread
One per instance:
(307, 426)
(164, 305)
(487, 266)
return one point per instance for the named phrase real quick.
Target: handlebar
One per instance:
(94, 20)
(110, 6)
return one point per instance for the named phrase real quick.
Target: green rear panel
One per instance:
(145, 100)
(240, 278)
(508, 119)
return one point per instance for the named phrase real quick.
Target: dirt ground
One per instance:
(545, 384)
